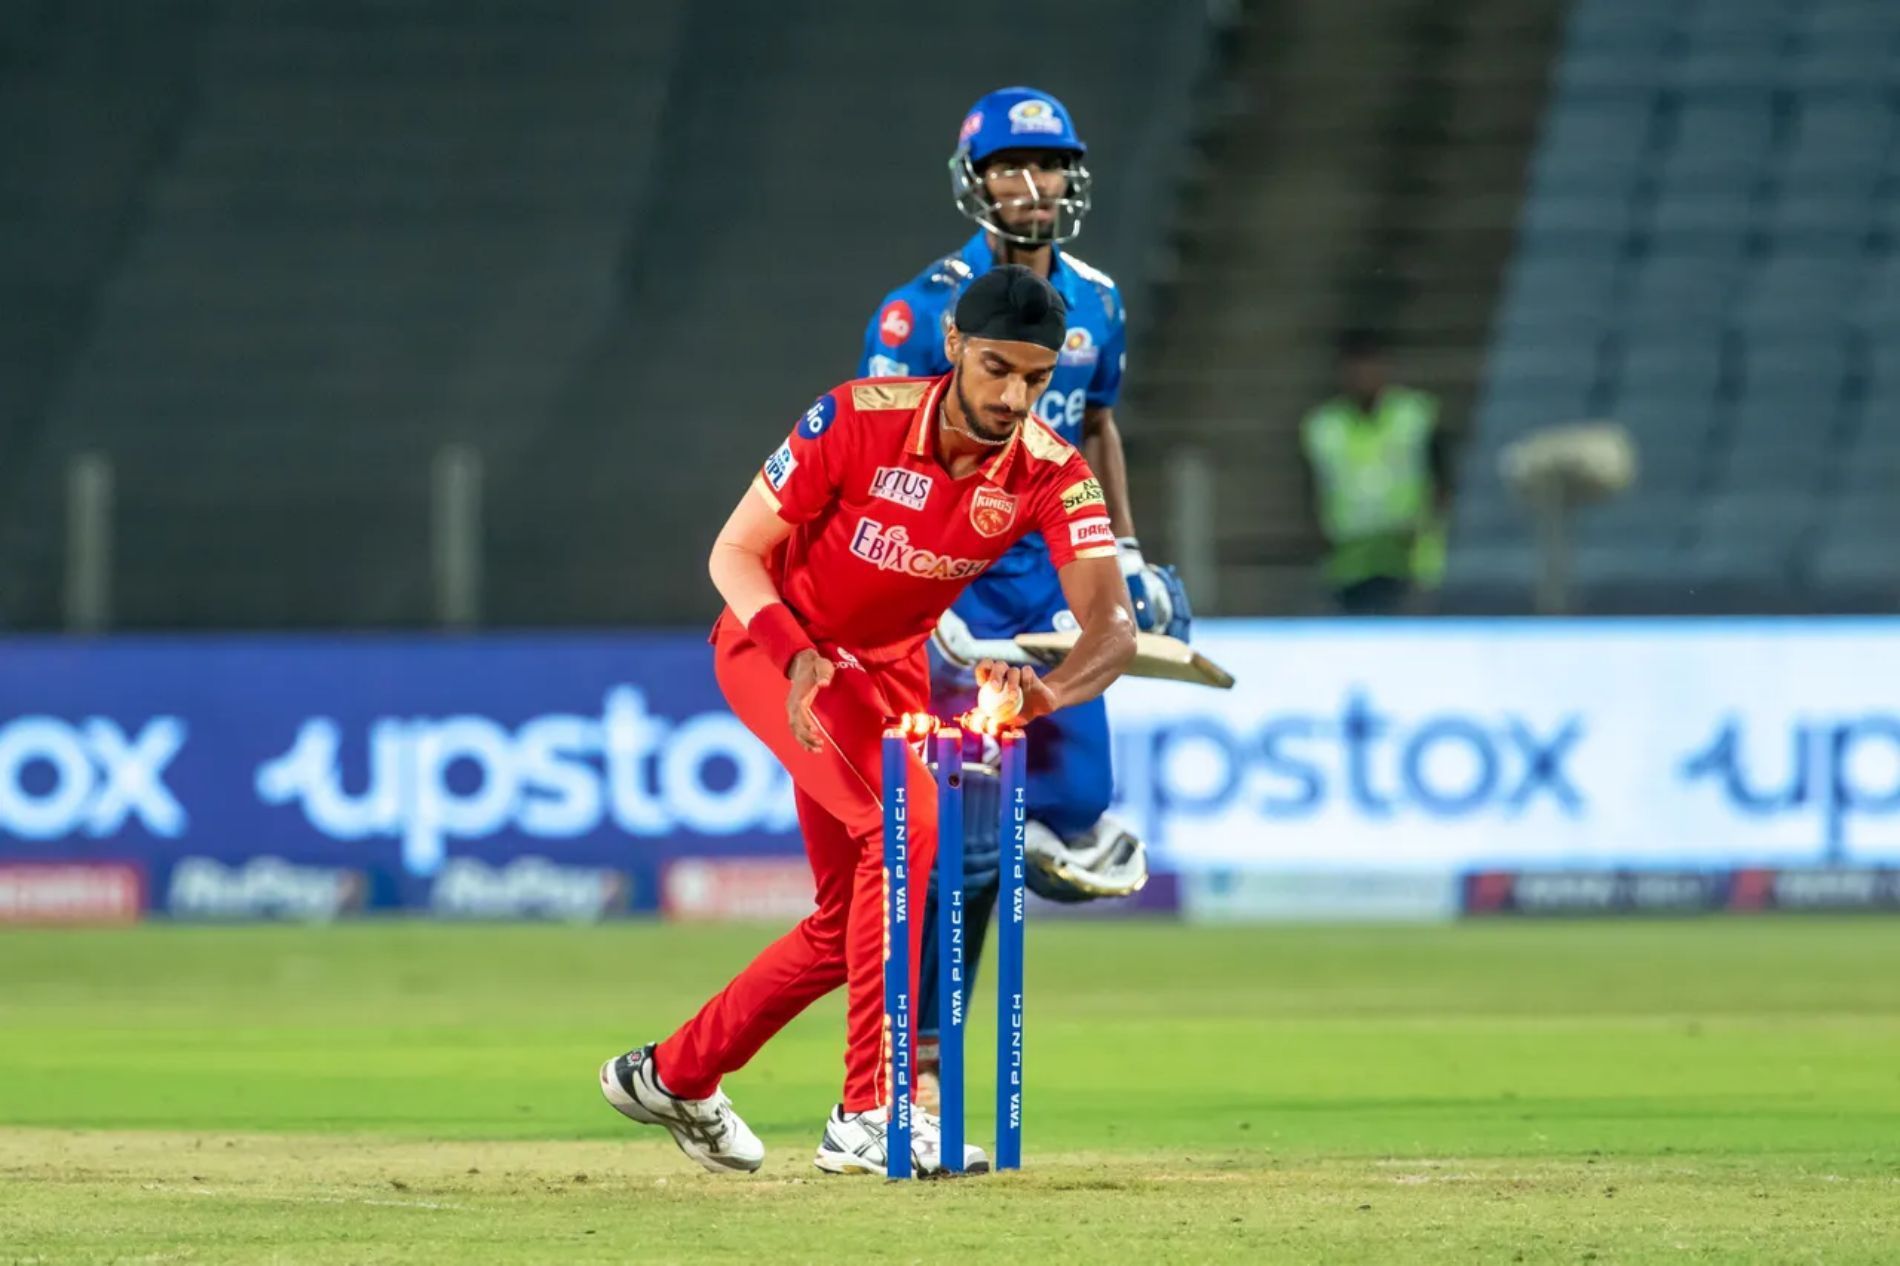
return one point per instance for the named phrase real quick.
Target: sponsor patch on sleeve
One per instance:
(1081, 495)
(895, 323)
(818, 417)
(1092, 531)
(779, 466)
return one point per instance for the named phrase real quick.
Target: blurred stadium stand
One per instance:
(275, 254)
(1708, 254)
(270, 258)
(1363, 166)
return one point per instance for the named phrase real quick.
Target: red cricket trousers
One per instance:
(841, 814)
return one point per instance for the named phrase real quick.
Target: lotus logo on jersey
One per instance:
(1078, 348)
(894, 323)
(1034, 115)
(889, 549)
(908, 488)
(992, 511)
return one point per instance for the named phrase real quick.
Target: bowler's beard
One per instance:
(977, 423)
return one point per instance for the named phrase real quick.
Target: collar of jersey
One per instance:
(917, 446)
(978, 255)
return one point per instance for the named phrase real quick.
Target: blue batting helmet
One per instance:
(1019, 119)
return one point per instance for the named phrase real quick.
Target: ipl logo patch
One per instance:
(1035, 115)
(992, 511)
(779, 466)
(972, 124)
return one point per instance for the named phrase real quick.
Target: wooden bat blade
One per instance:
(1156, 655)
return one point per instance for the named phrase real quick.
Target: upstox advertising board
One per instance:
(311, 777)
(1476, 744)
(561, 776)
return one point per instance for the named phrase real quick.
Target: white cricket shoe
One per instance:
(708, 1130)
(854, 1144)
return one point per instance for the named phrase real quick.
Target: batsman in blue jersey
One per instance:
(1018, 172)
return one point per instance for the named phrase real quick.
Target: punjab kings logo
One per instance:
(894, 324)
(992, 511)
(889, 549)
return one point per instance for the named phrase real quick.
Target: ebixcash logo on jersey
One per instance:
(889, 549)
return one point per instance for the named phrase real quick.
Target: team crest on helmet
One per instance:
(1034, 115)
(992, 511)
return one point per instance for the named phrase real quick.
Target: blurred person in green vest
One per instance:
(1379, 467)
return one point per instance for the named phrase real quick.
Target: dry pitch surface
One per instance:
(1719, 1091)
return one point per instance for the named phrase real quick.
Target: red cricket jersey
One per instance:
(884, 539)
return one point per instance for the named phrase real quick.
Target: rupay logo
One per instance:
(263, 887)
(556, 777)
(527, 887)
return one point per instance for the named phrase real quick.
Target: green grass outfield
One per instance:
(1606, 1092)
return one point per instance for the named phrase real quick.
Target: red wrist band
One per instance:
(776, 631)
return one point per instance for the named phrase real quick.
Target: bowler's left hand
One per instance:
(1019, 695)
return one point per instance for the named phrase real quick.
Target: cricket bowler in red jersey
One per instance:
(857, 534)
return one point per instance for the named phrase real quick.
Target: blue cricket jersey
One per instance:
(905, 337)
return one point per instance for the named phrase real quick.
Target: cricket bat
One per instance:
(1156, 655)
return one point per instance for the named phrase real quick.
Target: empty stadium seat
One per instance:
(1750, 167)
(1697, 224)
(1623, 26)
(281, 253)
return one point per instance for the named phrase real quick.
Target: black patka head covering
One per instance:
(1012, 303)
